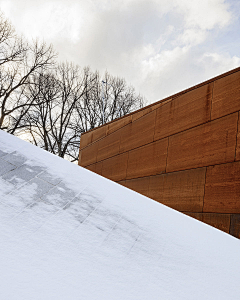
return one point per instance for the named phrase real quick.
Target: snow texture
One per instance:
(67, 233)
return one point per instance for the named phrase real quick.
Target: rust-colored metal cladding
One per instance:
(183, 191)
(184, 112)
(208, 144)
(140, 185)
(141, 113)
(183, 151)
(222, 190)
(80, 158)
(219, 221)
(99, 133)
(89, 155)
(197, 216)
(92, 168)
(147, 160)
(108, 147)
(237, 154)
(96, 168)
(99, 168)
(226, 95)
(235, 225)
(115, 168)
(138, 133)
(86, 139)
(114, 126)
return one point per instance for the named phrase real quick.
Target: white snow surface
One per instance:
(67, 233)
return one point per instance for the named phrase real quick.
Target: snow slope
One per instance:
(67, 233)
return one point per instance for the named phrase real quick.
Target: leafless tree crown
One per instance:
(51, 104)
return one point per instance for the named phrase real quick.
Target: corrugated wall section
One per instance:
(183, 151)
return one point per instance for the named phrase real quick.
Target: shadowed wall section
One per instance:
(183, 151)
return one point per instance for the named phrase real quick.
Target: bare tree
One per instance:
(51, 123)
(12, 47)
(119, 99)
(68, 101)
(108, 99)
(52, 105)
(19, 61)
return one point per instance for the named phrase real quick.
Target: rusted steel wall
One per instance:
(183, 151)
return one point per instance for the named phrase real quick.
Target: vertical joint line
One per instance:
(236, 139)
(230, 223)
(167, 156)
(127, 166)
(204, 187)
(211, 102)
(155, 124)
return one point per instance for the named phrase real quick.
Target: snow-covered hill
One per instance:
(69, 234)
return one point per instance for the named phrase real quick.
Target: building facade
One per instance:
(183, 151)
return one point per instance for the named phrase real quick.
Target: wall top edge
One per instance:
(171, 97)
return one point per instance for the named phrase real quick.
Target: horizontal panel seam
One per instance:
(200, 124)
(177, 94)
(164, 136)
(178, 171)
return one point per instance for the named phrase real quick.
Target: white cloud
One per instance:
(205, 14)
(215, 63)
(47, 19)
(160, 46)
(163, 59)
(191, 37)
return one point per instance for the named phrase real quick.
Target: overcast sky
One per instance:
(159, 46)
